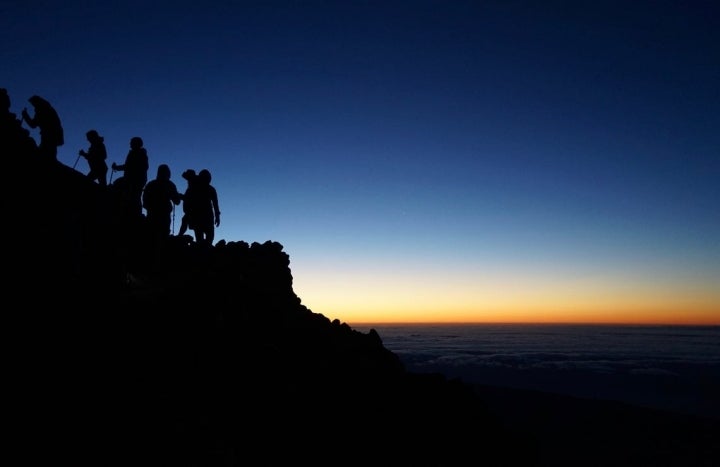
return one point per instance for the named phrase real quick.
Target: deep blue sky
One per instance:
(417, 159)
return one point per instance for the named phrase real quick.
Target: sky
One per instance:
(419, 161)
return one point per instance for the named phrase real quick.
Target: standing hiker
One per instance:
(96, 155)
(203, 208)
(51, 130)
(159, 198)
(135, 175)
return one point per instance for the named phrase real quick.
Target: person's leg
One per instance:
(183, 226)
(210, 237)
(166, 225)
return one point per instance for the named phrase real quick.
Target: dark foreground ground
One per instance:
(571, 431)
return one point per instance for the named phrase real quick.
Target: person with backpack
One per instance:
(96, 156)
(135, 175)
(159, 198)
(203, 208)
(51, 130)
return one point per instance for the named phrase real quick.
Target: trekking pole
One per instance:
(76, 160)
(111, 176)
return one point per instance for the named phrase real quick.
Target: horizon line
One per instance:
(527, 323)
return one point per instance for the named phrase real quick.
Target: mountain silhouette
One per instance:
(126, 352)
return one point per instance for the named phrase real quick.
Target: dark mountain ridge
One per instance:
(184, 354)
(126, 354)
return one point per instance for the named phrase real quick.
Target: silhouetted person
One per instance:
(51, 130)
(190, 176)
(135, 174)
(14, 139)
(203, 208)
(159, 197)
(96, 155)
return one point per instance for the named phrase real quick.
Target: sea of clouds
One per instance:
(670, 367)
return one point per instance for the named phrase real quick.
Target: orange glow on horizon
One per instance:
(689, 321)
(627, 322)
(634, 315)
(637, 312)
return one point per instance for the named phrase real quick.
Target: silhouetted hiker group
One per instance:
(201, 212)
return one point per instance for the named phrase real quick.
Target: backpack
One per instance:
(151, 197)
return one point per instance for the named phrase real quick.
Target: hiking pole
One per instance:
(111, 176)
(77, 160)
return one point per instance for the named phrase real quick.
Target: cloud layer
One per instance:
(676, 368)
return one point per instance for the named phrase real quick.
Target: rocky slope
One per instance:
(186, 355)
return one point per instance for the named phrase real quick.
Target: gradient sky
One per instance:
(418, 160)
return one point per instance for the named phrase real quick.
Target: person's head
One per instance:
(136, 142)
(163, 172)
(38, 102)
(92, 136)
(189, 175)
(204, 176)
